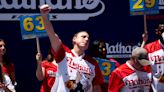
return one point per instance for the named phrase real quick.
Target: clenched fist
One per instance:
(70, 84)
(45, 9)
(38, 57)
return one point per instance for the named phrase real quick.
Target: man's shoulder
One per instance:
(90, 59)
(153, 46)
(123, 70)
(152, 43)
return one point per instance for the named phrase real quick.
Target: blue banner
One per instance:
(32, 27)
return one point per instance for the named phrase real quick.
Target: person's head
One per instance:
(140, 57)
(50, 57)
(160, 31)
(98, 49)
(2, 47)
(81, 40)
(4, 59)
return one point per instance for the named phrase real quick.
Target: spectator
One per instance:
(155, 51)
(46, 71)
(7, 66)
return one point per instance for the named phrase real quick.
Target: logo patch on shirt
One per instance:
(51, 73)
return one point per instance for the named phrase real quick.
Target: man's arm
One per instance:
(98, 80)
(115, 82)
(54, 39)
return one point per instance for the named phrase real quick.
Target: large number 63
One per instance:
(107, 66)
(148, 4)
(29, 25)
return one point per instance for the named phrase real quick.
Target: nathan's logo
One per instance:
(161, 4)
(61, 9)
(137, 82)
(119, 50)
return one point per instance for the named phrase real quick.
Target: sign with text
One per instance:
(120, 49)
(142, 7)
(61, 9)
(32, 27)
(106, 67)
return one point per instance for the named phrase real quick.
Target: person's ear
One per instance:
(73, 39)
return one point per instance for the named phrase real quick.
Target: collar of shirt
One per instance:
(79, 57)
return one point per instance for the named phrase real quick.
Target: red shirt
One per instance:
(50, 75)
(9, 70)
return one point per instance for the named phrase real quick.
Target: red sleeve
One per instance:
(60, 54)
(116, 62)
(98, 77)
(147, 47)
(115, 82)
(43, 64)
(10, 68)
(153, 46)
(147, 68)
(11, 72)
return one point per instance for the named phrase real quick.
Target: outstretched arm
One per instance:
(54, 39)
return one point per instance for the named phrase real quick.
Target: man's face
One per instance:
(143, 60)
(137, 64)
(161, 28)
(2, 48)
(82, 40)
(160, 32)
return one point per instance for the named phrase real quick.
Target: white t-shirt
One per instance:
(8, 83)
(81, 69)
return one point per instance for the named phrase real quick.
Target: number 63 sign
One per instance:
(141, 7)
(32, 27)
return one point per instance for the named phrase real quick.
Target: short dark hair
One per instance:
(5, 61)
(161, 22)
(79, 32)
(96, 50)
(75, 35)
(50, 53)
(1, 39)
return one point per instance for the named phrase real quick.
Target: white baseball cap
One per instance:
(142, 55)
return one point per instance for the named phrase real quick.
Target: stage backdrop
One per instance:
(109, 20)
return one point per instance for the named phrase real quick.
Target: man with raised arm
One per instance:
(76, 71)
